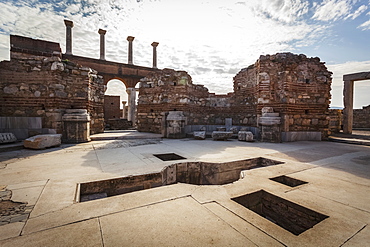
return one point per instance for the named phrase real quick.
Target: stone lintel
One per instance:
(357, 76)
(68, 23)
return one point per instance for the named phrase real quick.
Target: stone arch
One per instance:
(349, 80)
(109, 78)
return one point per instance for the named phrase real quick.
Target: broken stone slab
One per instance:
(221, 128)
(43, 141)
(245, 136)
(234, 130)
(221, 135)
(199, 135)
(7, 138)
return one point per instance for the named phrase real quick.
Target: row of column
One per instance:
(130, 39)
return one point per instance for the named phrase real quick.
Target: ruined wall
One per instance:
(295, 86)
(37, 83)
(170, 90)
(361, 117)
(336, 118)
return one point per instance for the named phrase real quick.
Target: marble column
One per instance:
(155, 44)
(130, 39)
(348, 107)
(131, 104)
(69, 25)
(124, 110)
(102, 43)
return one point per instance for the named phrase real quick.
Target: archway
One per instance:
(349, 80)
(114, 97)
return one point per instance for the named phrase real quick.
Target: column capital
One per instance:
(155, 44)
(124, 102)
(68, 23)
(130, 38)
(102, 31)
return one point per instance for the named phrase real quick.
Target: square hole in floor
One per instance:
(169, 156)
(292, 182)
(286, 214)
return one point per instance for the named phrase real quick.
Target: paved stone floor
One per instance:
(338, 177)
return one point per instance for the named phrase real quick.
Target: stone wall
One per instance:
(336, 118)
(37, 83)
(361, 118)
(112, 107)
(296, 87)
(170, 90)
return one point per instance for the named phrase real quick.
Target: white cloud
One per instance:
(365, 26)
(362, 88)
(332, 10)
(357, 13)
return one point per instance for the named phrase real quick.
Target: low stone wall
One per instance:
(118, 124)
(361, 118)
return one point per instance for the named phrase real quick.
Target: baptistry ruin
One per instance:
(281, 97)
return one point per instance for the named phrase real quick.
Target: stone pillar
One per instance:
(76, 126)
(270, 125)
(69, 25)
(102, 43)
(175, 125)
(124, 109)
(348, 107)
(155, 44)
(131, 104)
(130, 39)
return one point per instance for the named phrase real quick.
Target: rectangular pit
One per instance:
(198, 173)
(286, 214)
(169, 156)
(291, 182)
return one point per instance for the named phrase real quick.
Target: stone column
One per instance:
(131, 93)
(102, 43)
(348, 107)
(69, 25)
(130, 39)
(76, 126)
(155, 44)
(124, 109)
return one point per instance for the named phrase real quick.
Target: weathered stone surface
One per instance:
(221, 135)
(7, 138)
(234, 130)
(245, 136)
(76, 124)
(175, 122)
(43, 141)
(199, 135)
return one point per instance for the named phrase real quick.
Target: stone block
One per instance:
(245, 136)
(7, 138)
(221, 135)
(199, 135)
(234, 130)
(43, 141)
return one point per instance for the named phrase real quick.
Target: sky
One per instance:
(211, 40)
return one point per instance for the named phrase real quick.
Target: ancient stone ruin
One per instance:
(295, 90)
(281, 97)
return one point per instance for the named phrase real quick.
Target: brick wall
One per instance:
(112, 107)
